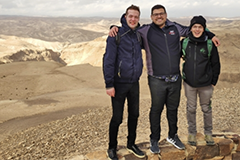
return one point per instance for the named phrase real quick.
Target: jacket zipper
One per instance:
(133, 56)
(169, 57)
(119, 69)
(195, 62)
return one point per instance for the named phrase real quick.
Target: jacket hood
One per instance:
(124, 22)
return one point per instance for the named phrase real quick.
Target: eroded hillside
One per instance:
(55, 39)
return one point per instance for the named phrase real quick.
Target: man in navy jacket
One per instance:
(122, 68)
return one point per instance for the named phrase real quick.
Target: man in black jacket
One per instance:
(122, 68)
(201, 70)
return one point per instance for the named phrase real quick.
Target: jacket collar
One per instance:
(202, 38)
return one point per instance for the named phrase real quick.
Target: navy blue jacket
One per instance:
(123, 63)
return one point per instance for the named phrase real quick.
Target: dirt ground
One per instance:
(48, 103)
(33, 93)
(52, 111)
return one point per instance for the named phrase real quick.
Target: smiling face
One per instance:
(197, 30)
(159, 17)
(132, 18)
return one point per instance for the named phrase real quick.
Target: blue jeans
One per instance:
(123, 91)
(164, 93)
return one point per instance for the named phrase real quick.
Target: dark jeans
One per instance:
(123, 91)
(164, 93)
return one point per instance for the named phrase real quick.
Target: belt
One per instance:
(171, 78)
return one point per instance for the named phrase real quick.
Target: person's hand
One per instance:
(216, 41)
(113, 31)
(111, 92)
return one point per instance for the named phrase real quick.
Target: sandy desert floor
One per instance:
(38, 92)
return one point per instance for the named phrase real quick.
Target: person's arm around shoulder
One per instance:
(216, 41)
(212, 36)
(113, 31)
(183, 30)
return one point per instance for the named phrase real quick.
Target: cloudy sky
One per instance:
(115, 8)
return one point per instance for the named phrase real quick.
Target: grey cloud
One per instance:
(109, 8)
(6, 4)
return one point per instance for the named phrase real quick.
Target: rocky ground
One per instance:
(87, 132)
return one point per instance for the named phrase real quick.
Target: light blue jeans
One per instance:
(205, 95)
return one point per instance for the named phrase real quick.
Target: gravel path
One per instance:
(86, 132)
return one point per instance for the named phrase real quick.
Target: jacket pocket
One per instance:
(206, 78)
(125, 70)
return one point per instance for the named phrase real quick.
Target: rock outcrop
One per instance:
(227, 147)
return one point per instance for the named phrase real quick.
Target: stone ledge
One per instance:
(227, 147)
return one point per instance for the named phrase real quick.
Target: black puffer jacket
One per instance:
(199, 69)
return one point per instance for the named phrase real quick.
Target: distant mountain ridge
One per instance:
(60, 29)
(72, 41)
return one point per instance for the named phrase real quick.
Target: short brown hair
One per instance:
(133, 7)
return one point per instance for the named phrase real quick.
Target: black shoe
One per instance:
(176, 142)
(112, 154)
(136, 151)
(154, 148)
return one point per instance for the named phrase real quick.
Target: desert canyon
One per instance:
(53, 103)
